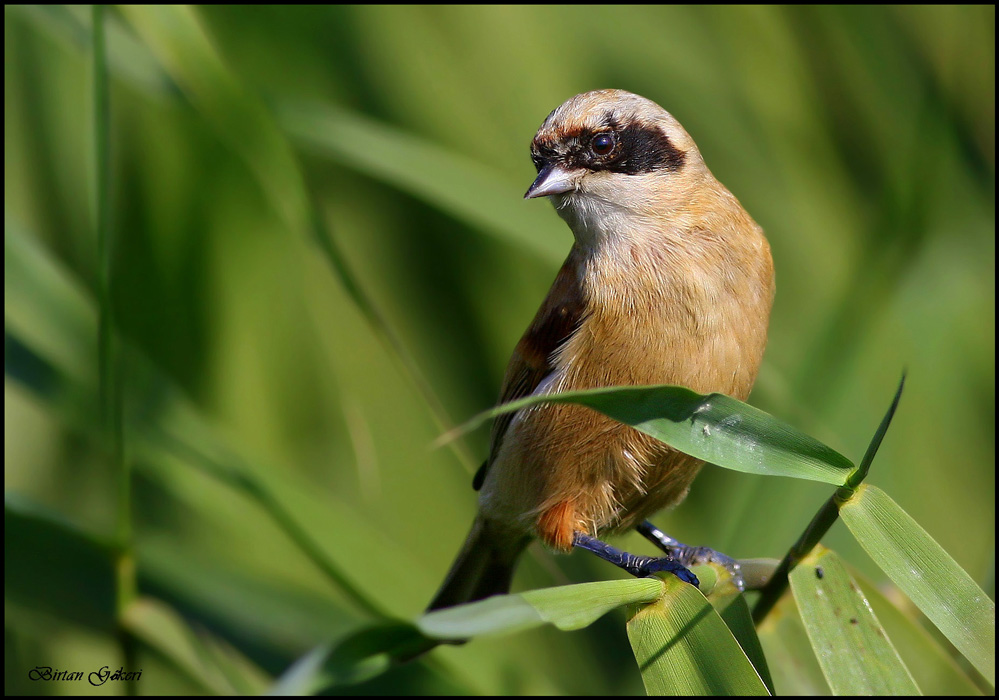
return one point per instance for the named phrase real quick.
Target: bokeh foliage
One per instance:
(861, 139)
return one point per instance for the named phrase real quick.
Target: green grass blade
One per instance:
(188, 53)
(734, 611)
(566, 607)
(45, 306)
(795, 669)
(713, 427)
(366, 654)
(931, 578)
(305, 676)
(683, 647)
(230, 471)
(587, 602)
(370, 652)
(460, 187)
(178, 39)
(129, 61)
(110, 379)
(74, 403)
(201, 655)
(872, 449)
(43, 552)
(71, 393)
(933, 667)
(856, 655)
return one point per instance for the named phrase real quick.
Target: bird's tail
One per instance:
(483, 567)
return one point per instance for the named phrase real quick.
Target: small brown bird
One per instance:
(669, 282)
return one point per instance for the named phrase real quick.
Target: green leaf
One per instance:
(366, 654)
(128, 59)
(872, 449)
(229, 469)
(52, 566)
(933, 667)
(714, 427)
(795, 669)
(931, 578)
(47, 307)
(734, 611)
(856, 655)
(372, 651)
(187, 52)
(71, 391)
(566, 607)
(202, 656)
(458, 186)
(305, 676)
(683, 647)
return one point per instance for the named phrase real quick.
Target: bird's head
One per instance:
(609, 159)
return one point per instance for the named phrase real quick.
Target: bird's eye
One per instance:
(603, 143)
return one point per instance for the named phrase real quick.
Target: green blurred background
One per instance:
(861, 139)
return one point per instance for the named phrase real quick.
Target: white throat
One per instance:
(597, 223)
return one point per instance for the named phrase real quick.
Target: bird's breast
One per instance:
(659, 317)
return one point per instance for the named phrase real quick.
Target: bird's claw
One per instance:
(653, 566)
(695, 556)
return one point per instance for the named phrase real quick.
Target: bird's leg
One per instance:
(634, 564)
(687, 555)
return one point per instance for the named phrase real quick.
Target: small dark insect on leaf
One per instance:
(819, 573)
(853, 620)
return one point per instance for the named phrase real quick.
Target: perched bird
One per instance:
(669, 281)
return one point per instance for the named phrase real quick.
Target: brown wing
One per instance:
(556, 320)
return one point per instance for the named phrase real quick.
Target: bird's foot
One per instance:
(687, 555)
(698, 556)
(650, 566)
(636, 565)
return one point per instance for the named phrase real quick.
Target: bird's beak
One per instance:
(553, 179)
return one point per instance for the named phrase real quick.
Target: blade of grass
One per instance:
(853, 650)
(370, 652)
(243, 480)
(48, 308)
(716, 428)
(200, 656)
(179, 41)
(931, 578)
(458, 186)
(795, 669)
(366, 654)
(566, 607)
(683, 647)
(824, 519)
(108, 355)
(734, 611)
(304, 676)
(857, 477)
(70, 555)
(72, 393)
(934, 669)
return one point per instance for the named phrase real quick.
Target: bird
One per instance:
(668, 281)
